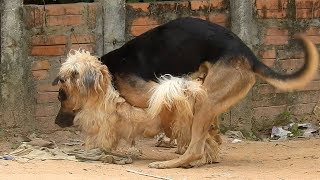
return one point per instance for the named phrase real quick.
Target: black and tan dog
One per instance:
(199, 49)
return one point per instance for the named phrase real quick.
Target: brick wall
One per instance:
(144, 16)
(52, 31)
(278, 21)
(55, 29)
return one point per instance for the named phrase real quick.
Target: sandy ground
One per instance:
(294, 159)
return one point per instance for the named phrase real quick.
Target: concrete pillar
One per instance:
(113, 19)
(16, 95)
(242, 24)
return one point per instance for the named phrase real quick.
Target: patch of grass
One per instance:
(295, 130)
(283, 119)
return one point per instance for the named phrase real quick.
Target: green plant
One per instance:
(283, 119)
(295, 130)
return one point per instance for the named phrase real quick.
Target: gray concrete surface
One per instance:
(16, 94)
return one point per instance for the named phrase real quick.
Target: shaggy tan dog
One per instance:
(105, 117)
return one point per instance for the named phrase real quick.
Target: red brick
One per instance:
(313, 31)
(82, 38)
(282, 99)
(35, 17)
(291, 64)
(271, 14)
(48, 40)
(45, 111)
(307, 4)
(47, 97)
(143, 21)
(38, 17)
(316, 13)
(62, 9)
(200, 17)
(275, 40)
(92, 15)
(312, 86)
(47, 87)
(266, 89)
(224, 24)
(276, 31)
(140, 6)
(137, 30)
(268, 54)
(55, 9)
(315, 39)
(65, 20)
(218, 18)
(74, 8)
(269, 111)
(290, 54)
(301, 109)
(88, 47)
(173, 5)
(304, 13)
(40, 65)
(272, 4)
(269, 62)
(217, 4)
(40, 74)
(48, 50)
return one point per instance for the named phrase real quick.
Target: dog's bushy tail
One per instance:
(298, 79)
(175, 93)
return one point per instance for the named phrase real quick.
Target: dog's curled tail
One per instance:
(298, 79)
(176, 94)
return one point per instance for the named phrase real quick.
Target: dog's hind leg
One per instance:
(226, 85)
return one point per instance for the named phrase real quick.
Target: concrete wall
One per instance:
(16, 86)
(267, 26)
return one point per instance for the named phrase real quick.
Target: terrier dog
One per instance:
(86, 92)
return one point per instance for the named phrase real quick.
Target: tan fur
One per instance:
(105, 117)
(311, 70)
(227, 84)
(136, 91)
(102, 114)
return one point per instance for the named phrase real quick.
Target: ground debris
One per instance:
(149, 175)
(300, 130)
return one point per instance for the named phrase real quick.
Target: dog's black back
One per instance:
(176, 48)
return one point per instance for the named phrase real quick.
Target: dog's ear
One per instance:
(89, 79)
(57, 80)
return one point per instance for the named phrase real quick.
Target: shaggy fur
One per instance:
(105, 117)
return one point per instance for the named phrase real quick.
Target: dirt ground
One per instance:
(294, 159)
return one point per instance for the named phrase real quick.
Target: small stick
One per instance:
(149, 175)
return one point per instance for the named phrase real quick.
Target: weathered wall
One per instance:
(16, 87)
(267, 26)
(52, 31)
(277, 22)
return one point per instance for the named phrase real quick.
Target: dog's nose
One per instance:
(64, 119)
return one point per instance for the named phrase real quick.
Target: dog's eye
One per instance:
(62, 95)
